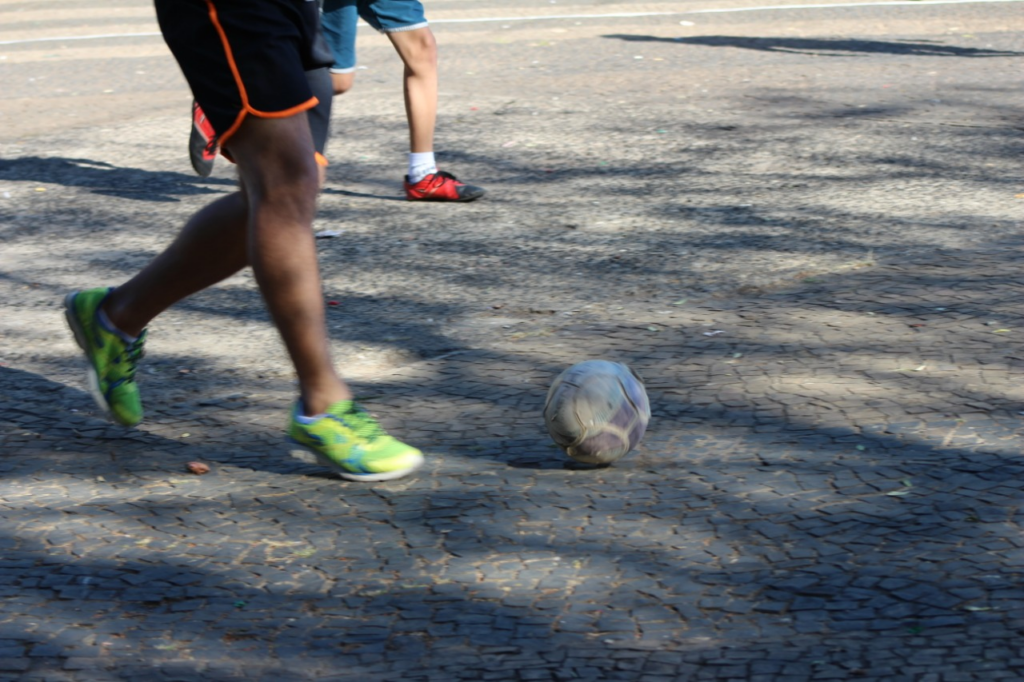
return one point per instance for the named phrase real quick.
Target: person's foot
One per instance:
(112, 360)
(441, 186)
(349, 441)
(202, 145)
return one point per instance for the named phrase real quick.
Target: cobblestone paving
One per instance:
(809, 246)
(830, 489)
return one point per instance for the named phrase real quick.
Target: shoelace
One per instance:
(132, 353)
(360, 421)
(439, 178)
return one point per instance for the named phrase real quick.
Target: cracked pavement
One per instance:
(801, 227)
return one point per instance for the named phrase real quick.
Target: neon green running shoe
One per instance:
(112, 360)
(350, 441)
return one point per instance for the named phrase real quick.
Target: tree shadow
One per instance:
(737, 542)
(828, 47)
(361, 195)
(105, 179)
(424, 580)
(730, 546)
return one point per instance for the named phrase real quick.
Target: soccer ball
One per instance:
(597, 411)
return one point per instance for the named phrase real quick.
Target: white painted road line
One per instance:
(562, 17)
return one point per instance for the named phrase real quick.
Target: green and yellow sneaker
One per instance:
(351, 442)
(112, 360)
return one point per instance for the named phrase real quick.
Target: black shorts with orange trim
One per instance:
(245, 57)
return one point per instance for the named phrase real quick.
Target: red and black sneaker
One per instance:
(202, 143)
(441, 186)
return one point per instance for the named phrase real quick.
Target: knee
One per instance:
(420, 51)
(342, 82)
(289, 180)
(299, 178)
(277, 164)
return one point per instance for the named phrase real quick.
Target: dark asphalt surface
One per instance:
(801, 226)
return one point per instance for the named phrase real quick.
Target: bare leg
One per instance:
(210, 248)
(418, 51)
(268, 226)
(342, 82)
(276, 161)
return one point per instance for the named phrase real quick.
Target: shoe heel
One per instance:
(92, 379)
(309, 455)
(72, 320)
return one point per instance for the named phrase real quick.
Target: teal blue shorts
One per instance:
(339, 18)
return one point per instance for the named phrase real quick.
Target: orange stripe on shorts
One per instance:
(246, 107)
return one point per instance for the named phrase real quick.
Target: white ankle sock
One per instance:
(421, 164)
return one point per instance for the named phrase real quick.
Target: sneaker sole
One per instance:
(473, 196)
(196, 154)
(310, 455)
(83, 343)
(442, 200)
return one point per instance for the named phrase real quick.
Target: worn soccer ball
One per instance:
(597, 411)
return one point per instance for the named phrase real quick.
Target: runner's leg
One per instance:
(275, 158)
(268, 226)
(210, 248)
(418, 50)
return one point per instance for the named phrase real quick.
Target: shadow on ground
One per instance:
(830, 487)
(828, 47)
(749, 531)
(740, 555)
(109, 180)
